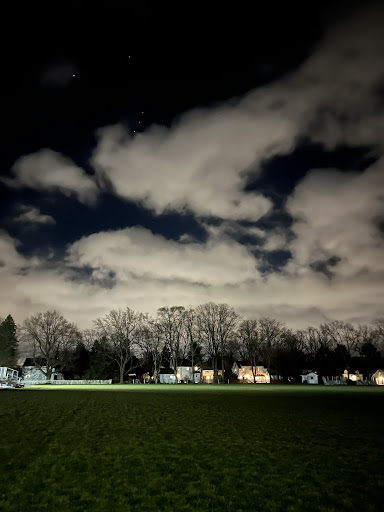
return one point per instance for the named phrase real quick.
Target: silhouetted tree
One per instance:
(151, 345)
(51, 338)
(270, 331)
(217, 325)
(80, 361)
(118, 331)
(170, 322)
(101, 366)
(8, 342)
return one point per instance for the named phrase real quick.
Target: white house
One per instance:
(251, 374)
(31, 372)
(167, 376)
(188, 373)
(310, 378)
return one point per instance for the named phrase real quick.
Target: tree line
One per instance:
(125, 340)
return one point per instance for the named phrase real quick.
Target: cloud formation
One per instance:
(337, 217)
(48, 170)
(32, 215)
(201, 164)
(195, 166)
(150, 271)
(137, 253)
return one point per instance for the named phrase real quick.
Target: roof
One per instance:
(243, 363)
(167, 371)
(186, 362)
(35, 361)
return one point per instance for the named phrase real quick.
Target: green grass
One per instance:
(191, 448)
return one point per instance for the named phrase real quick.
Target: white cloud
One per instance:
(32, 215)
(150, 271)
(198, 164)
(48, 170)
(337, 215)
(137, 253)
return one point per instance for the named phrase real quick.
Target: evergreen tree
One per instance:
(100, 365)
(8, 342)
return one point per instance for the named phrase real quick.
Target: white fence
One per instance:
(64, 382)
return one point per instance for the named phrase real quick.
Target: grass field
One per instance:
(192, 448)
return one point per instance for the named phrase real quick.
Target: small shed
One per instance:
(310, 378)
(378, 378)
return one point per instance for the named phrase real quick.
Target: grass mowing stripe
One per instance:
(187, 447)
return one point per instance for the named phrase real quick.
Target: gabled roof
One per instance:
(35, 361)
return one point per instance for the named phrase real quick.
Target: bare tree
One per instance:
(51, 337)
(207, 324)
(217, 325)
(378, 325)
(191, 335)
(151, 343)
(343, 335)
(89, 337)
(365, 334)
(170, 322)
(118, 331)
(270, 331)
(250, 343)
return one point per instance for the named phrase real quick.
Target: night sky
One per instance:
(174, 153)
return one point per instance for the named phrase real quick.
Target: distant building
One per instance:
(310, 378)
(34, 372)
(188, 373)
(208, 374)
(167, 376)
(378, 378)
(353, 376)
(251, 374)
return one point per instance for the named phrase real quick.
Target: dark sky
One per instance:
(160, 153)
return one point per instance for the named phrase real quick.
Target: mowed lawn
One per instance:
(192, 448)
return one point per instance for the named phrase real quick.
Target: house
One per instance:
(243, 370)
(33, 372)
(310, 378)
(167, 376)
(378, 378)
(353, 376)
(188, 373)
(207, 375)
